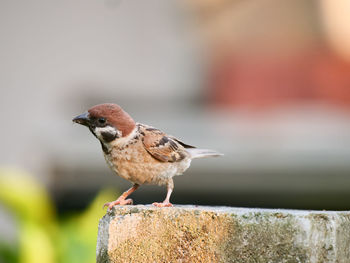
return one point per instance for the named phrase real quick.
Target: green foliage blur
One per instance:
(43, 237)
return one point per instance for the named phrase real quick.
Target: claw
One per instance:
(164, 204)
(118, 202)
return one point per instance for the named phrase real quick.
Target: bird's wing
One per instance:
(163, 147)
(182, 143)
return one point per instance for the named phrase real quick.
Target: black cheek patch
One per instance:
(108, 137)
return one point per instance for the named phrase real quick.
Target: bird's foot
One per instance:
(164, 204)
(119, 201)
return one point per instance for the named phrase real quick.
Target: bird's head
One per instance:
(107, 122)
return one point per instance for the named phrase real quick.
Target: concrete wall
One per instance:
(222, 234)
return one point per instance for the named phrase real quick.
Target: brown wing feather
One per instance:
(162, 147)
(182, 143)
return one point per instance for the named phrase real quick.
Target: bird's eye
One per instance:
(101, 120)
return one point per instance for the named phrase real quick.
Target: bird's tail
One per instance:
(201, 153)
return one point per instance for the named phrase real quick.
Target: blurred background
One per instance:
(265, 82)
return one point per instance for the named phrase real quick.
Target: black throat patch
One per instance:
(104, 148)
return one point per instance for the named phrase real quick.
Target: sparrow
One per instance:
(137, 152)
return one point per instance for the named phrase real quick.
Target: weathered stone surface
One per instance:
(222, 234)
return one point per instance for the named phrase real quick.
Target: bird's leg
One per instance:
(122, 199)
(166, 202)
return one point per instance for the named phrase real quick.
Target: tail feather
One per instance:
(201, 153)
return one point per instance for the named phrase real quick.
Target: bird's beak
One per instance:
(82, 119)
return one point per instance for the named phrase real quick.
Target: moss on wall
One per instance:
(209, 234)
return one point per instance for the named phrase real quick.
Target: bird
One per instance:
(138, 152)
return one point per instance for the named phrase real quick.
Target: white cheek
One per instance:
(108, 129)
(124, 140)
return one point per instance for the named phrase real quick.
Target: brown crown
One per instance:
(115, 116)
